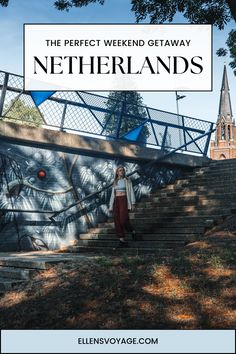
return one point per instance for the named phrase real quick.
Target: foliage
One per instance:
(104, 261)
(221, 52)
(66, 5)
(231, 43)
(131, 261)
(201, 11)
(20, 112)
(130, 103)
(216, 261)
(217, 13)
(4, 3)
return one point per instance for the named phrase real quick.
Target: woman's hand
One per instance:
(133, 207)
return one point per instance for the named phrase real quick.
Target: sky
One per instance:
(201, 105)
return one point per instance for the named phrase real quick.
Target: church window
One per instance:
(229, 135)
(223, 132)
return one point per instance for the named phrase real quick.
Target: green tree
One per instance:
(67, 4)
(125, 102)
(4, 3)
(231, 43)
(20, 112)
(217, 12)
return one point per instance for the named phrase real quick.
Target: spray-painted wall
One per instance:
(40, 179)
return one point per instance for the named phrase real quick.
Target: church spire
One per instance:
(225, 109)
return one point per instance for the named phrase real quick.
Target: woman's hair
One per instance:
(116, 174)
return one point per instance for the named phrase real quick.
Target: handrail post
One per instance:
(63, 117)
(150, 120)
(119, 123)
(184, 133)
(120, 118)
(3, 95)
(208, 140)
(164, 139)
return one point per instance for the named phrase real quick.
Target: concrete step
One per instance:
(126, 250)
(196, 201)
(212, 172)
(19, 267)
(160, 216)
(168, 220)
(203, 178)
(213, 182)
(36, 262)
(171, 212)
(158, 222)
(208, 194)
(204, 208)
(198, 196)
(222, 163)
(157, 227)
(8, 284)
(211, 187)
(16, 273)
(136, 244)
(183, 207)
(16, 263)
(201, 189)
(151, 229)
(145, 237)
(208, 170)
(182, 219)
(186, 212)
(215, 167)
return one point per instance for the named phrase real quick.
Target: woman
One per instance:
(122, 200)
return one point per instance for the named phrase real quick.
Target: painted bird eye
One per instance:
(41, 174)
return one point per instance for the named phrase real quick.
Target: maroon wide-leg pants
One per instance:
(121, 216)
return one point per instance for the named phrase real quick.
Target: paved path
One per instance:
(45, 256)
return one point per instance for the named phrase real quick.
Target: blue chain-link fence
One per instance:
(103, 117)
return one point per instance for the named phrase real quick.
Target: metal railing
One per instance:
(103, 117)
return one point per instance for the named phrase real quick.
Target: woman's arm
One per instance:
(132, 195)
(112, 199)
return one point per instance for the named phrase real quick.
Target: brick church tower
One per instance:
(224, 146)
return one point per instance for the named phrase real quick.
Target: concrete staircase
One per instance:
(11, 276)
(173, 216)
(17, 268)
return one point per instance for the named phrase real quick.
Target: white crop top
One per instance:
(120, 185)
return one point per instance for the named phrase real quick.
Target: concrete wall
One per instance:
(36, 178)
(62, 141)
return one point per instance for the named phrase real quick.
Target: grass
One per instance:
(191, 289)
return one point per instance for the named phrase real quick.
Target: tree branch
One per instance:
(232, 7)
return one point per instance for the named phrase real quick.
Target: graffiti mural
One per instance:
(38, 182)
